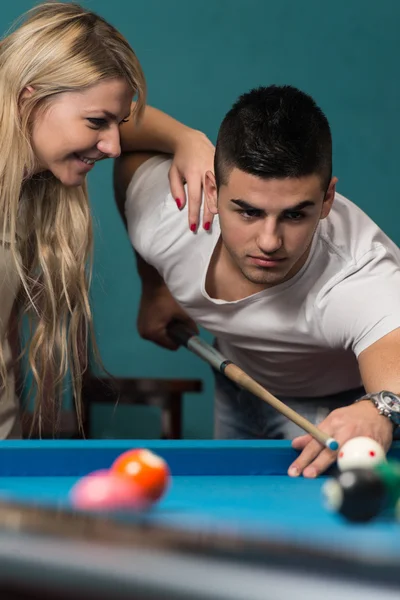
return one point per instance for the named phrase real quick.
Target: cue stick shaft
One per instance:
(181, 334)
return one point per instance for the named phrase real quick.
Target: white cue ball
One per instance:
(360, 453)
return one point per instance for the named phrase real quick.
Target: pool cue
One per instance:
(183, 335)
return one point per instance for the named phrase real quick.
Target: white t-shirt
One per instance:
(302, 337)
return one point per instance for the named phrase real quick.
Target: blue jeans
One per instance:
(239, 415)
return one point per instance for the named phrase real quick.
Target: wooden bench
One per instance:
(166, 394)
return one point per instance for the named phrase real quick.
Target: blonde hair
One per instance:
(59, 47)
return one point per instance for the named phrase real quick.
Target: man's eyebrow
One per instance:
(300, 206)
(247, 206)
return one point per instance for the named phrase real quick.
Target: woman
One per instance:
(67, 79)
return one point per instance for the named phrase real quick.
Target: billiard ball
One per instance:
(106, 491)
(359, 495)
(389, 472)
(144, 469)
(360, 453)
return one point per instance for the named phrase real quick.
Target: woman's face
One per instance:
(78, 128)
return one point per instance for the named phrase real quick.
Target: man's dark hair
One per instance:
(274, 132)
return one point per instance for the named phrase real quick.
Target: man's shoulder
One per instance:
(352, 255)
(352, 235)
(148, 185)
(158, 230)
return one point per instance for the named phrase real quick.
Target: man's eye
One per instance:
(97, 122)
(294, 216)
(250, 213)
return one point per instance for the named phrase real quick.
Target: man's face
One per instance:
(267, 225)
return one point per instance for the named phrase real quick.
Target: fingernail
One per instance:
(207, 226)
(178, 202)
(193, 227)
(293, 472)
(311, 472)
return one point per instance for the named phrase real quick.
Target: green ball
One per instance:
(389, 472)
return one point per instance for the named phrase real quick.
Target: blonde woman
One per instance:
(67, 81)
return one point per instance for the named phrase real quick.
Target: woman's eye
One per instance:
(97, 122)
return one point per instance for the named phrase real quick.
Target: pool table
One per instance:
(232, 526)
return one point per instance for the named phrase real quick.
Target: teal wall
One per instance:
(198, 57)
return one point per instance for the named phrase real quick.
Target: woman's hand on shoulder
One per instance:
(193, 157)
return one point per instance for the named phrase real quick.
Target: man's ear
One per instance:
(329, 198)
(211, 193)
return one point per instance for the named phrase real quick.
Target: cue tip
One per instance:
(332, 444)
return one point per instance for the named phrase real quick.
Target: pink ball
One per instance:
(103, 490)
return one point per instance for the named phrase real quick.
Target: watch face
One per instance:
(391, 401)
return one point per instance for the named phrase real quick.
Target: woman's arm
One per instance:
(156, 131)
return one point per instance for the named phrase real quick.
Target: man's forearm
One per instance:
(156, 131)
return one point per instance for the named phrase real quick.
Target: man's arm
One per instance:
(380, 370)
(149, 276)
(380, 364)
(157, 306)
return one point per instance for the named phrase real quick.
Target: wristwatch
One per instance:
(387, 403)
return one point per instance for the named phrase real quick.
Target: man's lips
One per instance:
(266, 261)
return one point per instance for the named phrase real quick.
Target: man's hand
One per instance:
(360, 419)
(157, 309)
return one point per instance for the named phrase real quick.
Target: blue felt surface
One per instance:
(79, 457)
(215, 486)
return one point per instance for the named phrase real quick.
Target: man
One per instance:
(300, 288)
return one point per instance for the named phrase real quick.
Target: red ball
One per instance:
(144, 469)
(103, 490)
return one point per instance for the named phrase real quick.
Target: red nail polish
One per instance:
(193, 227)
(178, 202)
(207, 225)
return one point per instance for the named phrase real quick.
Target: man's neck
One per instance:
(224, 281)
